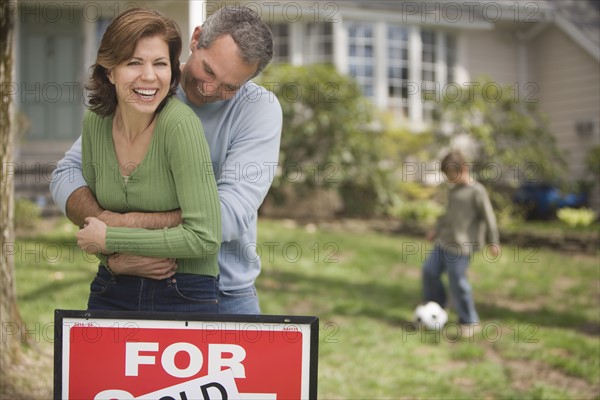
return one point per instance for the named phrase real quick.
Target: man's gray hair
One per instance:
(252, 36)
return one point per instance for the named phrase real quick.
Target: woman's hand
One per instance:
(92, 238)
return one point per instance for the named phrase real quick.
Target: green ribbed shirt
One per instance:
(176, 172)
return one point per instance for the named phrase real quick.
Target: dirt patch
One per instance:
(303, 307)
(529, 306)
(590, 328)
(578, 244)
(523, 375)
(401, 271)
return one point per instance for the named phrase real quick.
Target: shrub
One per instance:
(331, 138)
(510, 138)
(27, 214)
(576, 217)
(507, 139)
(508, 213)
(592, 161)
(422, 213)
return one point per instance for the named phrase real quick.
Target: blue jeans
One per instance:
(438, 261)
(179, 293)
(241, 301)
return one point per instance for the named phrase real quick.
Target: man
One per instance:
(242, 123)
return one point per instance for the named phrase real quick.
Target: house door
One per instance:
(50, 87)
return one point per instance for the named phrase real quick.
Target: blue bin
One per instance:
(541, 200)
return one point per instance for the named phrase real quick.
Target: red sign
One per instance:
(122, 356)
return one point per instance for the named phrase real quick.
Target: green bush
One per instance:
(509, 215)
(576, 217)
(592, 161)
(422, 213)
(510, 142)
(27, 214)
(511, 135)
(331, 138)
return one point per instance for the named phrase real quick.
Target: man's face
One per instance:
(214, 73)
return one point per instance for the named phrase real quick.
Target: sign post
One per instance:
(102, 355)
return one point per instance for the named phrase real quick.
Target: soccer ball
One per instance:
(431, 315)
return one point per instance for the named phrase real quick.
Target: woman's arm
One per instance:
(200, 233)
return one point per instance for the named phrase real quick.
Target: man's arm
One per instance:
(145, 267)
(77, 201)
(81, 204)
(67, 177)
(249, 169)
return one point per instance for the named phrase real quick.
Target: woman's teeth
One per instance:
(146, 93)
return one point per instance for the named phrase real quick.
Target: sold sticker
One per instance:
(216, 386)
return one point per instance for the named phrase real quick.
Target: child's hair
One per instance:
(453, 162)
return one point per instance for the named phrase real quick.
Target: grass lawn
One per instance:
(540, 311)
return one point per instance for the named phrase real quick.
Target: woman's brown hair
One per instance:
(118, 45)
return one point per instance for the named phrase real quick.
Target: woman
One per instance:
(143, 150)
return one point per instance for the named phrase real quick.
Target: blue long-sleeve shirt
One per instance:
(243, 135)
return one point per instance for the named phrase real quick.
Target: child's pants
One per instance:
(438, 261)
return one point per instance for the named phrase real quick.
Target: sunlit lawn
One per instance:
(540, 311)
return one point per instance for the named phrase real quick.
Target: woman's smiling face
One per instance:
(143, 82)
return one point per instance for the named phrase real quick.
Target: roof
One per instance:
(580, 19)
(584, 14)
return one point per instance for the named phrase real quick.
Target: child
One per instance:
(467, 223)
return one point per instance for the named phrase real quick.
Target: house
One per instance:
(400, 52)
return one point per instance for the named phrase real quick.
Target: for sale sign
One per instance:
(115, 355)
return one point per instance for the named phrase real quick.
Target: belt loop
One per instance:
(113, 276)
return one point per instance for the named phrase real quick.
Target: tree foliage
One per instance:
(592, 162)
(510, 138)
(331, 138)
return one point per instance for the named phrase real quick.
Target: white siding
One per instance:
(559, 74)
(569, 91)
(492, 54)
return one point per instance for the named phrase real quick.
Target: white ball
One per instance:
(431, 315)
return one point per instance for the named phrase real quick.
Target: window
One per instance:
(361, 55)
(318, 43)
(101, 26)
(450, 58)
(393, 47)
(428, 75)
(281, 48)
(397, 75)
